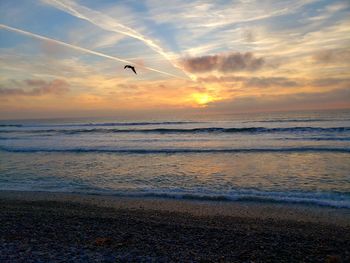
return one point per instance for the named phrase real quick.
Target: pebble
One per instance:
(90, 234)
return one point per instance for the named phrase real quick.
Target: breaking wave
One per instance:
(194, 130)
(102, 124)
(173, 151)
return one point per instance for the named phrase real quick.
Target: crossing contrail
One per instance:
(85, 50)
(110, 24)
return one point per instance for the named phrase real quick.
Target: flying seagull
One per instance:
(131, 67)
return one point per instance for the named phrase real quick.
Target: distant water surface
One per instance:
(282, 157)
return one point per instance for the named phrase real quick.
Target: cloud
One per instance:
(38, 88)
(332, 82)
(108, 23)
(223, 62)
(332, 56)
(258, 82)
(249, 36)
(332, 99)
(85, 50)
(281, 81)
(214, 14)
(274, 81)
(35, 82)
(52, 49)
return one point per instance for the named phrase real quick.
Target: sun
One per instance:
(202, 98)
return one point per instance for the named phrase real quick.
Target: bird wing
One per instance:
(130, 67)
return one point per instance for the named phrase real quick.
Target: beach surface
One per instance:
(61, 227)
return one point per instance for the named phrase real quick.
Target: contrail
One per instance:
(26, 33)
(9, 28)
(108, 23)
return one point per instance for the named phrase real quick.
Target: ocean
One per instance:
(295, 157)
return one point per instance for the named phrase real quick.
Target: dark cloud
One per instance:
(332, 56)
(197, 88)
(37, 88)
(337, 98)
(35, 82)
(223, 62)
(52, 49)
(329, 82)
(224, 79)
(132, 87)
(261, 82)
(268, 82)
(249, 36)
(258, 82)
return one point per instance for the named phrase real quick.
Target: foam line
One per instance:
(253, 130)
(174, 151)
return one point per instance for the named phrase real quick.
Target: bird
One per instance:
(131, 67)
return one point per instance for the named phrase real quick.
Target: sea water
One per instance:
(297, 157)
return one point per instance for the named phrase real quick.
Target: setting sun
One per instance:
(177, 131)
(202, 98)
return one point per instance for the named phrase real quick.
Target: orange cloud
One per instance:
(38, 88)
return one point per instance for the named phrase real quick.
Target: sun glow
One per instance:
(202, 98)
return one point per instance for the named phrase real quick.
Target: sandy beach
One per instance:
(57, 227)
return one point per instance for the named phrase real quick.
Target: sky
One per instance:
(65, 58)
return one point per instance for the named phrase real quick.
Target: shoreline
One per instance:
(56, 227)
(244, 209)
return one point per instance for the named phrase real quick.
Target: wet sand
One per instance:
(56, 227)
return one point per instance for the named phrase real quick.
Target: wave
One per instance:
(318, 139)
(11, 125)
(194, 130)
(12, 138)
(108, 124)
(135, 123)
(173, 151)
(325, 199)
(258, 197)
(295, 120)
